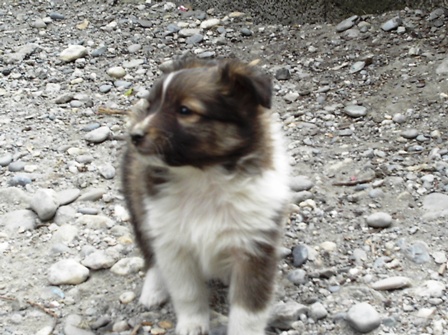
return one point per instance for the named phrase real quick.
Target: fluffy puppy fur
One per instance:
(206, 182)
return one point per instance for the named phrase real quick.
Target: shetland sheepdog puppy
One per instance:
(206, 182)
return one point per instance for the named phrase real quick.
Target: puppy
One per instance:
(206, 182)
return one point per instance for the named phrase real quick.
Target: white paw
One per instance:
(154, 292)
(193, 326)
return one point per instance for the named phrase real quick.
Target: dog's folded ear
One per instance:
(244, 81)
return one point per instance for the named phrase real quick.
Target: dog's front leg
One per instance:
(251, 292)
(188, 291)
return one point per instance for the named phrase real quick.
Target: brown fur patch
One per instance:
(253, 277)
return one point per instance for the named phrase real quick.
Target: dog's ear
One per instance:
(241, 80)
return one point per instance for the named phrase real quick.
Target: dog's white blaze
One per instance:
(166, 83)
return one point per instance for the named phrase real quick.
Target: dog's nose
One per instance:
(137, 137)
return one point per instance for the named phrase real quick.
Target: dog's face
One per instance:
(202, 113)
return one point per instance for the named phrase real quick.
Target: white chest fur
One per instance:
(209, 213)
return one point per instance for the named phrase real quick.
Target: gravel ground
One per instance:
(363, 104)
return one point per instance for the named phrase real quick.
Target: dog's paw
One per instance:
(193, 326)
(154, 292)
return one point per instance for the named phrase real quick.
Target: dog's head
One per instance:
(203, 113)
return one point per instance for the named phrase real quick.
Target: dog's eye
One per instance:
(183, 110)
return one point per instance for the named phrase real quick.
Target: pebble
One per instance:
(92, 194)
(431, 289)
(64, 214)
(16, 166)
(38, 23)
(317, 311)
(99, 51)
(282, 74)
(299, 255)
(207, 24)
(45, 203)
(98, 135)
(105, 88)
(297, 276)
(379, 220)
(363, 318)
(418, 252)
(391, 24)
(283, 315)
(5, 160)
(120, 326)
(347, 23)
(358, 66)
(95, 221)
(73, 52)
(64, 98)
(246, 32)
(355, 111)
(195, 39)
(133, 48)
(66, 197)
(392, 283)
(101, 259)
(291, 97)
(301, 183)
(20, 180)
(88, 210)
(409, 133)
(145, 23)
(67, 272)
(116, 72)
(127, 297)
(328, 246)
(439, 257)
(133, 63)
(57, 16)
(188, 32)
(122, 84)
(126, 266)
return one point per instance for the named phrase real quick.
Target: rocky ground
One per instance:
(363, 104)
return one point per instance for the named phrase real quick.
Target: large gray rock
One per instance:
(45, 203)
(363, 318)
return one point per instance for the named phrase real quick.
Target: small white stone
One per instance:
(328, 246)
(67, 272)
(101, 259)
(127, 266)
(439, 257)
(98, 135)
(187, 32)
(207, 24)
(116, 72)
(379, 220)
(73, 52)
(127, 297)
(391, 283)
